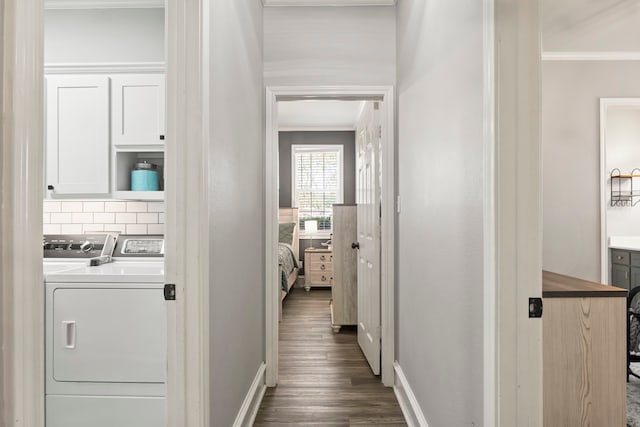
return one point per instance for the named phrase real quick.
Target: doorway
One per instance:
(384, 96)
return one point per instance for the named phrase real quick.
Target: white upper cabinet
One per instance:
(77, 133)
(138, 109)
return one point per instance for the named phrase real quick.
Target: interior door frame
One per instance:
(272, 299)
(605, 105)
(22, 152)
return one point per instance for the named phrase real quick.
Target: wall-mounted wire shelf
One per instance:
(625, 188)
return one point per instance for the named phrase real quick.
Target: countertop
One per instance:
(630, 243)
(556, 285)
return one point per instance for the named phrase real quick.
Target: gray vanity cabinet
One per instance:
(625, 268)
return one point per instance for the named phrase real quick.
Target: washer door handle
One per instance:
(69, 331)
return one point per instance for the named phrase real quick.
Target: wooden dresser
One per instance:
(344, 293)
(584, 353)
(318, 267)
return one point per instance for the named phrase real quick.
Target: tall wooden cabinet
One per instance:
(344, 292)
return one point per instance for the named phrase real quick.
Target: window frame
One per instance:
(339, 149)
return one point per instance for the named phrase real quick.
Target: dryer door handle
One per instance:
(69, 331)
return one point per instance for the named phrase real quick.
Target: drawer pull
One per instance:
(323, 258)
(323, 278)
(620, 257)
(322, 267)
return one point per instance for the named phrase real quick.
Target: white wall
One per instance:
(623, 152)
(329, 46)
(571, 92)
(591, 25)
(236, 188)
(104, 35)
(440, 72)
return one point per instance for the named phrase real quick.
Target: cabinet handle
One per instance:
(69, 330)
(50, 187)
(161, 137)
(620, 257)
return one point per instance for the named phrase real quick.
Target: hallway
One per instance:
(324, 378)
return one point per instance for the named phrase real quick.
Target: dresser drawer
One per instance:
(319, 266)
(315, 278)
(619, 257)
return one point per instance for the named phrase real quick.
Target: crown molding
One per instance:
(316, 128)
(329, 2)
(105, 68)
(103, 4)
(591, 56)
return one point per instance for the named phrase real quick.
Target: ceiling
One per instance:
(329, 2)
(318, 115)
(101, 4)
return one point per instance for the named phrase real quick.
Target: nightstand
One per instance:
(318, 267)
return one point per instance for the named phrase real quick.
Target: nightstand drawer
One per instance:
(314, 278)
(322, 257)
(319, 266)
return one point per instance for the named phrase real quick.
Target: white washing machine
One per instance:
(106, 344)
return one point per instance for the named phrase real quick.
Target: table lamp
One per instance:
(311, 227)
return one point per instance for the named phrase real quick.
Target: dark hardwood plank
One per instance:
(324, 377)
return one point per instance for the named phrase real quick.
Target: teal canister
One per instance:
(144, 177)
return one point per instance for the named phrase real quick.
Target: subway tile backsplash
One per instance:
(88, 216)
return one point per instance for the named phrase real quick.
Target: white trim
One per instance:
(605, 104)
(21, 142)
(103, 4)
(408, 403)
(489, 217)
(316, 129)
(388, 223)
(604, 259)
(249, 409)
(105, 68)
(187, 217)
(329, 2)
(590, 56)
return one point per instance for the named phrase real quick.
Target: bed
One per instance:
(288, 250)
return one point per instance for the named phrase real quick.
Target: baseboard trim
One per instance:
(249, 409)
(408, 403)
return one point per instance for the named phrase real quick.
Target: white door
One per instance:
(368, 213)
(138, 109)
(77, 117)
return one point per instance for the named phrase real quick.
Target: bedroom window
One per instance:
(317, 183)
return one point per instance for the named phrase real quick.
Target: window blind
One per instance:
(317, 174)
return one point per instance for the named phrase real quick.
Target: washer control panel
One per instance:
(77, 245)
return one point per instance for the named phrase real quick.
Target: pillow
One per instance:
(285, 234)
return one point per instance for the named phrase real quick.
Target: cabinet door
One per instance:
(77, 132)
(620, 276)
(138, 109)
(635, 277)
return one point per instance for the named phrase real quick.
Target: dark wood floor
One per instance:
(324, 377)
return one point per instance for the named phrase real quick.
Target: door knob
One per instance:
(355, 245)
